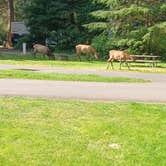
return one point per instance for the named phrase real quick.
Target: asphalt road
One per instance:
(136, 92)
(154, 77)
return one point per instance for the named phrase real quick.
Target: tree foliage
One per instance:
(61, 20)
(10, 10)
(134, 25)
(138, 26)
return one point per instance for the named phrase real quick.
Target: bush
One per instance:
(155, 39)
(2, 37)
(103, 43)
(66, 39)
(150, 41)
(28, 39)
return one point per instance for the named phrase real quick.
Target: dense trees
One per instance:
(61, 20)
(134, 25)
(137, 26)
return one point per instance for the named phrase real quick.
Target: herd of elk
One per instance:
(88, 50)
(120, 56)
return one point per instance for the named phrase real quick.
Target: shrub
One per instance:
(68, 38)
(103, 43)
(2, 37)
(28, 39)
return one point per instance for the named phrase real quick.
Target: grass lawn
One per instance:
(21, 74)
(74, 64)
(78, 133)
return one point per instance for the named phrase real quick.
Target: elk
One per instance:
(120, 56)
(38, 48)
(88, 50)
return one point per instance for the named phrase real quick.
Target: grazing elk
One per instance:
(120, 56)
(38, 48)
(88, 50)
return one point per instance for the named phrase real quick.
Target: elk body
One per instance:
(38, 48)
(120, 56)
(88, 50)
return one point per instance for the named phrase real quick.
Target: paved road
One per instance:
(149, 92)
(143, 92)
(148, 76)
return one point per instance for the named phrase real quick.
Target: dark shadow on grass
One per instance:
(146, 65)
(27, 69)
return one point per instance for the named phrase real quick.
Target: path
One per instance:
(149, 92)
(154, 77)
(144, 92)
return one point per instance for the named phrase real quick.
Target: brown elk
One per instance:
(88, 50)
(38, 48)
(120, 56)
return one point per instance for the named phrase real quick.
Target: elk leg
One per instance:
(79, 57)
(108, 65)
(88, 57)
(127, 65)
(110, 61)
(34, 54)
(120, 64)
(112, 65)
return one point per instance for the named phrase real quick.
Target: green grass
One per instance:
(21, 74)
(74, 64)
(77, 133)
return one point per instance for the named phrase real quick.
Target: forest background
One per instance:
(136, 26)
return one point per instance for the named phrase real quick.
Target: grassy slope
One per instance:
(65, 77)
(29, 60)
(73, 133)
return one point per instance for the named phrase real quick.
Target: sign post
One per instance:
(24, 48)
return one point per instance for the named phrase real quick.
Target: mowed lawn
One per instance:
(73, 63)
(79, 133)
(23, 74)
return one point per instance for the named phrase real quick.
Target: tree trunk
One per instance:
(10, 20)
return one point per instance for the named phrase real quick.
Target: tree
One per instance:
(10, 20)
(10, 10)
(131, 24)
(60, 19)
(3, 22)
(19, 13)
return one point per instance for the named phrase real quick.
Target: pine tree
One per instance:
(60, 19)
(133, 24)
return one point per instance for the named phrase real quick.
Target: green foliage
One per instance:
(136, 26)
(155, 38)
(3, 20)
(2, 36)
(28, 39)
(64, 18)
(19, 9)
(103, 44)
(68, 38)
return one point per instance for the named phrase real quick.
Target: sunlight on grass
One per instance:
(68, 133)
(21, 74)
(74, 64)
